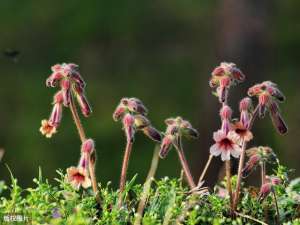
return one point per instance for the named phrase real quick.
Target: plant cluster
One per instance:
(165, 201)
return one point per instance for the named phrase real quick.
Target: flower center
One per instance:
(226, 144)
(78, 177)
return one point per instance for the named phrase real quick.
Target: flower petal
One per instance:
(215, 150)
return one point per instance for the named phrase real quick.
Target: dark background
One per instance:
(161, 51)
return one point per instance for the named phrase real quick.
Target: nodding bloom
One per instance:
(223, 77)
(257, 155)
(268, 96)
(132, 112)
(71, 82)
(267, 187)
(245, 110)
(129, 105)
(176, 129)
(225, 114)
(225, 145)
(78, 176)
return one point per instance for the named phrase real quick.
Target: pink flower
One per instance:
(225, 145)
(268, 96)
(223, 77)
(241, 133)
(78, 176)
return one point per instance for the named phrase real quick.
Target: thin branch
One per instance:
(205, 170)
(250, 218)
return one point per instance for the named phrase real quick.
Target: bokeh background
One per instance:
(161, 51)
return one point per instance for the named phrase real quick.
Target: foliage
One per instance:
(169, 202)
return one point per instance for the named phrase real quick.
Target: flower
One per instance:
(268, 186)
(56, 115)
(225, 145)
(269, 96)
(47, 128)
(257, 155)
(241, 133)
(78, 176)
(152, 133)
(176, 129)
(223, 77)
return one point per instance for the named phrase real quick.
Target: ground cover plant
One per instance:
(78, 198)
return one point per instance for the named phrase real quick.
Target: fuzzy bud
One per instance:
(128, 123)
(141, 121)
(86, 109)
(166, 145)
(152, 133)
(88, 146)
(225, 112)
(245, 104)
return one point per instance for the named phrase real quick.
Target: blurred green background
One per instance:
(161, 51)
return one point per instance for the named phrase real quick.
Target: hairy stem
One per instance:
(263, 173)
(277, 209)
(82, 136)
(185, 167)
(228, 183)
(205, 170)
(124, 172)
(147, 185)
(242, 160)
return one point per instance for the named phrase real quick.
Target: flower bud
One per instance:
(250, 165)
(119, 112)
(166, 146)
(86, 110)
(225, 112)
(275, 180)
(135, 105)
(277, 119)
(66, 91)
(88, 146)
(56, 115)
(152, 133)
(245, 104)
(128, 123)
(264, 191)
(141, 121)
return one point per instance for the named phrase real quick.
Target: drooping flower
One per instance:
(56, 115)
(268, 186)
(47, 128)
(88, 146)
(132, 112)
(268, 96)
(225, 145)
(176, 129)
(78, 176)
(223, 77)
(257, 155)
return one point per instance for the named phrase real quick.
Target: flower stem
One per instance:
(205, 170)
(82, 136)
(147, 185)
(263, 173)
(242, 160)
(277, 209)
(228, 183)
(76, 119)
(185, 167)
(124, 171)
